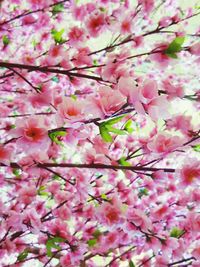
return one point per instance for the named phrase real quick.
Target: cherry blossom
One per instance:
(99, 133)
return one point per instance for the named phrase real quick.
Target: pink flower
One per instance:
(196, 251)
(31, 134)
(55, 55)
(28, 194)
(165, 21)
(110, 213)
(127, 86)
(126, 26)
(160, 57)
(95, 24)
(30, 19)
(5, 154)
(79, 12)
(195, 49)
(173, 90)
(139, 219)
(158, 108)
(147, 4)
(4, 111)
(112, 71)
(31, 217)
(71, 110)
(181, 123)
(190, 171)
(148, 91)
(164, 143)
(82, 58)
(161, 261)
(76, 35)
(44, 98)
(63, 213)
(110, 100)
(59, 228)
(66, 261)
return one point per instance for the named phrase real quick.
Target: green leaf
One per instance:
(114, 120)
(51, 243)
(143, 192)
(176, 232)
(57, 8)
(41, 192)
(172, 55)
(124, 162)
(16, 172)
(55, 79)
(74, 97)
(54, 136)
(92, 242)
(96, 233)
(5, 40)
(103, 196)
(116, 131)
(104, 133)
(131, 264)
(22, 256)
(127, 126)
(196, 148)
(57, 36)
(174, 47)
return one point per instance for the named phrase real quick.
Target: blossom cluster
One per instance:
(99, 133)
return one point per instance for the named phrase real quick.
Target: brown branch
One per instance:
(91, 166)
(31, 12)
(50, 70)
(181, 261)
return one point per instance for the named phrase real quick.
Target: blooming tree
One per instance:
(99, 143)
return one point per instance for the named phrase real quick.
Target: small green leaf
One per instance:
(116, 131)
(114, 120)
(122, 161)
(22, 256)
(176, 232)
(131, 264)
(55, 79)
(57, 8)
(51, 243)
(5, 40)
(104, 133)
(57, 36)
(41, 192)
(103, 196)
(92, 242)
(16, 172)
(127, 126)
(172, 55)
(102, 9)
(95, 62)
(143, 192)
(74, 97)
(174, 47)
(96, 233)
(54, 136)
(196, 148)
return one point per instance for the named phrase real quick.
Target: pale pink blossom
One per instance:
(5, 154)
(190, 171)
(95, 24)
(195, 49)
(31, 134)
(71, 110)
(164, 143)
